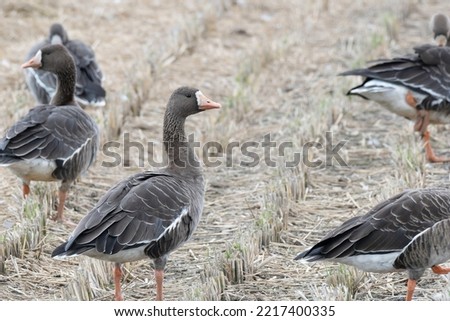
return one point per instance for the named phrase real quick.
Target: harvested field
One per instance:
(273, 65)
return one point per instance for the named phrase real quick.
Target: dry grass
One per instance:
(273, 67)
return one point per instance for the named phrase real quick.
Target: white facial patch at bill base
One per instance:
(38, 57)
(199, 96)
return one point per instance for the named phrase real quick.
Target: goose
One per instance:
(416, 86)
(56, 141)
(88, 90)
(152, 213)
(440, 26)
(409, 231)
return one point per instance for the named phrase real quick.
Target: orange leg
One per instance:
(159, 276)
(410, 290)
(431, 157)
(440, 269)
(421, 125)
(59, 213)
(117, 285)
(25, 190)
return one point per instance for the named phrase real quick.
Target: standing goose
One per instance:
(440, 26)
(409, 231)
(52, 142)
(149, 214)
(416, 87)
(88, 90)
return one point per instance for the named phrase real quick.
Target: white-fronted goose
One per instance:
(149, 214)
(409, 231)
(52, 142)
(440, 26)
(415, 86)
(88, 90)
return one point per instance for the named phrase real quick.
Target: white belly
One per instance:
(123, 256)
(390, 96)
(380, 263)
(393, 98)
(34, 170)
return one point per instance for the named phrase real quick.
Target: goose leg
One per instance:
(62, 195)
(421, 125)
(25, 190)
(117, 282)
(410, 289)
(431, 157)
(440, 269)
(159, 276)
(62, 199)
(160, 263)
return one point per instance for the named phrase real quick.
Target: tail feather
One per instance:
(89, 90)
(60, 251)
(310, 255)
(6, 159)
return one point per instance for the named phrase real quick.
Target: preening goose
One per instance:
(149, 214)
(440, 26)
(409, 231)
(415, 86)
(52, 142)
(88, 90)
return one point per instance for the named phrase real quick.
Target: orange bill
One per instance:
(204, 103)
(34, 62)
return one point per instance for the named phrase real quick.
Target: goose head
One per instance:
(58, 34)
(440, 25)
(52, 58)
(186, 101)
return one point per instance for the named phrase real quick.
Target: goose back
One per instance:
(427, 71)
(64, 134)
(153, 211)
(387, 228)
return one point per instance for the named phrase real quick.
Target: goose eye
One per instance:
(188, 95)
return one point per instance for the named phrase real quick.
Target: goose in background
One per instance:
(416, 86)
(88, 90)
(409, 231)
(56, 141)
(149, 214)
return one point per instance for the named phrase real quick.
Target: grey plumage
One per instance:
(429, 248)
(157, 210)
(415, 86)
(406, 232)
(42, 84)
(426, 72)
(149, 214)
(64, 134)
